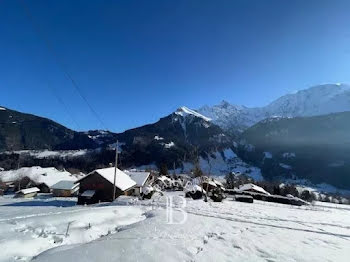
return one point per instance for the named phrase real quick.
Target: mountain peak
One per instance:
(316, 100)
(224, 103)
(185, 111)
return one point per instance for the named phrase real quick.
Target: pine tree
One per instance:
(163, 169)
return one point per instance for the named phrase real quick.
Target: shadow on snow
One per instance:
(54, 203)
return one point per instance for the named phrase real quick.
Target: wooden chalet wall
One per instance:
(103, 188)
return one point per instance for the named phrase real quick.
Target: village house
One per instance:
(42, 178)
(27, 192)
(142, 179)
(163, 182)
(65, 188)
(209, 185)
(219, 184)
(27, 182)
(98, 186)
(253, 188)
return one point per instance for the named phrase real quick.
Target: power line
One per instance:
(64, 106)
(50, 48)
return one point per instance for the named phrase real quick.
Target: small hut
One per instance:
(28, 192)
(142, 179)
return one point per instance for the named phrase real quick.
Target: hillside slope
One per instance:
(20, 131)
(317, 148)
(179, 137)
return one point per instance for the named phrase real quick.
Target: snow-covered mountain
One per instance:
(317, 100)
(185, 111)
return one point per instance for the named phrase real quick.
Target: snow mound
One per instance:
(42, 228)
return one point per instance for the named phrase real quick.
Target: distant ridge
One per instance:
(316, 100)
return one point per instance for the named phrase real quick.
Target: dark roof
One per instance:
(65, 185)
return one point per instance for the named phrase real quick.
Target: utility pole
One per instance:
(115, 170)
(206, 192)
(19, 178)
(18, 161)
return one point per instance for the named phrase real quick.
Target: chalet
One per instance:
(27, 182)
(65, 188)
(8, 187)
(219, 184)
(142, 179)
(194, 191)
(28, 192)
(253, 188)
(209, 185)
(36, 176)
(163, 182)
(98, 186)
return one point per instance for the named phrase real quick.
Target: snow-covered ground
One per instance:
(134, 230)
(49, 153)
(31, 226)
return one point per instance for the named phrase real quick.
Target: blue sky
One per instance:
(137, 61)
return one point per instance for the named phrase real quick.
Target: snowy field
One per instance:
(133, 230)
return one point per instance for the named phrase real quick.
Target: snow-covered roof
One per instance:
(164, 178)
(184, 111)
(267, 155)
(47, 175)
(139, 177)
(210, 182)
(169, 145)
(253, 187)
(65, 185)
(194, 188)
(285, 166)
(29, 190)
(217, 182)
(123, 181)
(256, 188)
